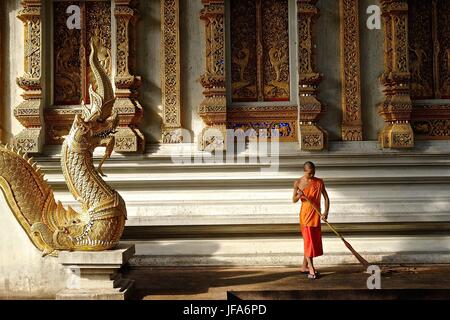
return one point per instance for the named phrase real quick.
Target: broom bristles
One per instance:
(356, 254)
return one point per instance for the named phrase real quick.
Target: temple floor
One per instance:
(205, 283)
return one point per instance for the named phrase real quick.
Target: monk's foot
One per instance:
(304, 270)
(313, 274)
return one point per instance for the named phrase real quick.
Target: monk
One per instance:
(313, 188)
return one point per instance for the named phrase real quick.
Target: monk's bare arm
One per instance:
(296, 195)
(327, 203)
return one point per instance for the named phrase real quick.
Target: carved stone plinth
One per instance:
(311, 137)
(397, 135)
(95, 275)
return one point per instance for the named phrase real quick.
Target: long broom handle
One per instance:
(318, 212)
(356, 254)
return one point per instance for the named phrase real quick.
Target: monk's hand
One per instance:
(299, 192)
(325, 216)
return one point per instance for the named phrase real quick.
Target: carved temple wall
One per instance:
(171, 93)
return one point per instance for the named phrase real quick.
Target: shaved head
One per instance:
(309, 166)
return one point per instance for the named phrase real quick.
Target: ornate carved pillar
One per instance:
(128, 137)
(213, 109)
(350, 71)
(29, 113)
(311, 136)
(170, 71)
(396, 108)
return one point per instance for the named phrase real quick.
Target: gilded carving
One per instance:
(28, 113)
(49, 225)
(71, 51)
(431, 122)
(128, 137)
(311, 136)
(350, 71)
(421, 51)
(67, 58)
(275, 44)
(397, 106)
(260, 50)
(170, 72)
(442, 12)
(243, 50)
(265, 118)
(429, 49)
(72, 67)
(213, 109)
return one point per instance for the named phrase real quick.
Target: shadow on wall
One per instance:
(148, 67)
(327, 52)
(12, 39)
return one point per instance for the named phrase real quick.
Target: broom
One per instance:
(353, 251)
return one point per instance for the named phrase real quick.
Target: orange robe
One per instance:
(310, 220)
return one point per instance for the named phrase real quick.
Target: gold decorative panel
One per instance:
(310, 135)
(67, 58)
(350, 71)
(128, 138)
(213, 109)
(421, 51)
(243, 50)
(260, 50)
(396, 107)
(29, 111)
(266, 118)
(429, 49)
(72, 72)
(431, 122)
(275, 40)
(429, 54)
(170, 71)
(443, 22)
(71, 49)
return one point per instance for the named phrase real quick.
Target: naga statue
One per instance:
(47, 223)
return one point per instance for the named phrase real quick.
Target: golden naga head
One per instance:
(97, 121)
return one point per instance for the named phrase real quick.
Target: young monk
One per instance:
(313, 188)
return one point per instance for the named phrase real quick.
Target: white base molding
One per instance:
(96, 275)
(288, 251)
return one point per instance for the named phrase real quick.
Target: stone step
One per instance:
(288, 251)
